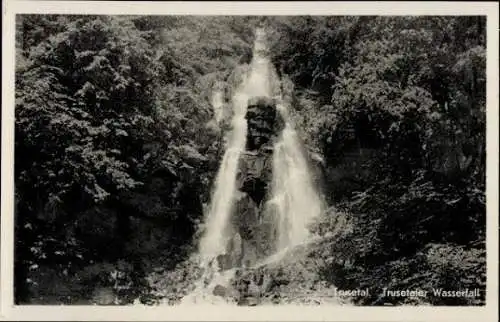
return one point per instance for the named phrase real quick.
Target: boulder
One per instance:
(254, 290)
(246, 218)
(258, 164)
(224, 262)
(235, 250)
(219, 290)
(249, 301)
(261, 119)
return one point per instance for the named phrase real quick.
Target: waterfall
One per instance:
(216, 234)
(292, 203)
(218, 104)
(259, 80)
(295, 201)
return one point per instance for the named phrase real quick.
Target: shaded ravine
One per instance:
(264, 198)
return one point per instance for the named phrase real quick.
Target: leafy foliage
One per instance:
(110, 136)
(116, 145)
(406, 131)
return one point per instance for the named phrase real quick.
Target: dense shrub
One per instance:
(116, 145)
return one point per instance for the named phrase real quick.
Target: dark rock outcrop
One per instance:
(249, 301)
(219, 290)
(261, 119)
(253, 183)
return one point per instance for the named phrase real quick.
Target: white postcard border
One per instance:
(261, 313)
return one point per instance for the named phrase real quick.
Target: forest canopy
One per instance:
(116, 149)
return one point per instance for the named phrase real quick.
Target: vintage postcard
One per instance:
(244, 161)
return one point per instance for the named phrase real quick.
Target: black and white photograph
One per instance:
(249, 160)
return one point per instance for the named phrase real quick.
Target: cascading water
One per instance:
(292, 202)
(258, 81)
(213, 241)
(218, 105)
(294, 199)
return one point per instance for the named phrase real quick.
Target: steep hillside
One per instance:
(117, 146)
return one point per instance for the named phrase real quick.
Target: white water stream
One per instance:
(257, 82)
(294, 202)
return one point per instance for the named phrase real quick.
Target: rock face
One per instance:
(219, 290)
(261, 119)
(253, 230)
